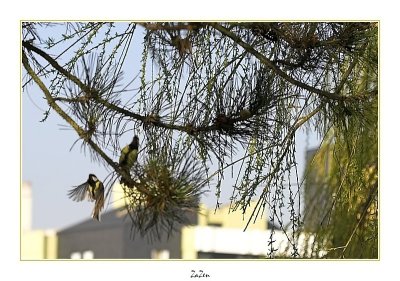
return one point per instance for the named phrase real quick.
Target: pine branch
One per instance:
(81, 132)
(269, 64)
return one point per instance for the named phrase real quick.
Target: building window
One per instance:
(160, 254)
(87, 255)
(214, 224)
(76, 256)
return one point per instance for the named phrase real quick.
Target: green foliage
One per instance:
(344, 174)
(165, 194)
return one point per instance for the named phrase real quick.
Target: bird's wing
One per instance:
(124, 152)
(132, 157)
(79, 193)
(98, 190)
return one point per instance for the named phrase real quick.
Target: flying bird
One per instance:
(92, 190)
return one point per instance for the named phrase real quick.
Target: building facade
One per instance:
(113, 238)
(36, 244)
(213, 234)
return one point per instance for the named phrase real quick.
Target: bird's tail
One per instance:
(98, 207)
(124, 181)
(96, 216)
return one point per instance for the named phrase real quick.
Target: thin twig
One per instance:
(272, 66)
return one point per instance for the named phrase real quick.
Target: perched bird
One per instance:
(129, 154)
(92, 190)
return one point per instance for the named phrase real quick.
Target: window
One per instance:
(76, 256)
(214, 224)
(160, 254)
(86, 255)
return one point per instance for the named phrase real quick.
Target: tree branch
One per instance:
(58, 67)
(290, 134)
(81, 132)
(269, 64)
(54, 105)
(191, 130)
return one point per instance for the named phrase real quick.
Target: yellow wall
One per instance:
(38, 244)
(52, 245)
(187, 243)
(232, 219)
(118, 196)
(222, 217)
